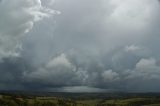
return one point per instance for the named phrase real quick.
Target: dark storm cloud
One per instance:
(12, 70)
(106, 44)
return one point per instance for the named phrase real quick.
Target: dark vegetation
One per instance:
(78, 99)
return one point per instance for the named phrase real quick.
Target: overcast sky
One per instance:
(80, 45)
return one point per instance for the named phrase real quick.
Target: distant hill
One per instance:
(101, 95)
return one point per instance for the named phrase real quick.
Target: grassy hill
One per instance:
(79, 99)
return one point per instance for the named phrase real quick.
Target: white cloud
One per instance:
(138, 50)
(132, 48)
(60, 60)
(58, 71)
(146, 63)
(146, 69)
(110, 76)
(18, 18)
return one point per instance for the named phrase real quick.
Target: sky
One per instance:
(80, 45)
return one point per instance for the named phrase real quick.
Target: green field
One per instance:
(15, 100)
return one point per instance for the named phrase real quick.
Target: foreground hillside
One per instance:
(79, 100)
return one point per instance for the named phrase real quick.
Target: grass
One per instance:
(7, 100)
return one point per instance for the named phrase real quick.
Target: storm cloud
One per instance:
(97, 45)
